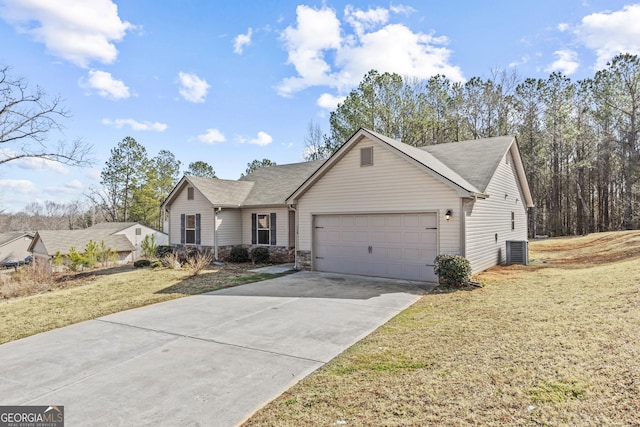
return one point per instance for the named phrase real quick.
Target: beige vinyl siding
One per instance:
(40, 250)
(391, 185)
(282, 224)
(136, 239)
(199, 205)
(487, 217)
(229, 227)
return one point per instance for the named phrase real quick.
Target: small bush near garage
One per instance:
(239, 254)
(142, 263)
(156, 264)
(453, 270)
(260, 255)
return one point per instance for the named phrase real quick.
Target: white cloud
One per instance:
(93, 173)
(323, 54)
(361, 20)
(402, 9)
(212, 136)
(566, 62)
(562, 27)
(261, 139)
(329, 102)
(106, 85)
(75, 30)
(19, 185)
(521, 61)
(192, 87)
(611, 33)
(241, 41)
(32, 163)
(136, 125)
(74, 185)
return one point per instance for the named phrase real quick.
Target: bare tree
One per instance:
(26, 117)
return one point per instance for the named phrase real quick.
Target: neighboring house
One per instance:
(14, 245)
(222, 214)
(124, 238)
(375, 207)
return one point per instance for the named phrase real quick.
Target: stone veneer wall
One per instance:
(277, 254)
(304, 260)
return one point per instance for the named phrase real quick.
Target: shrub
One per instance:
(156, 264)
(163, 250)
(142, 263)
(199, 262)
(149, 246)
(239, 254)
(171, 260)
(260, 255)
(453, 270)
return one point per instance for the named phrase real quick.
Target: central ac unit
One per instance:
(517, 252)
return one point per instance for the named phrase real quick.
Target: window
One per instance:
(513, 221)
(190, 230)
(189, 193)
(263, 229)
(366, 156)
(138, 231)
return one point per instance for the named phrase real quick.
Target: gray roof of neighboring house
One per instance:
(112, 227)
(476, 160)
(10, 236)
(273, 184)
(62, 240)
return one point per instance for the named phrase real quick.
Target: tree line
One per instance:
(578, 139)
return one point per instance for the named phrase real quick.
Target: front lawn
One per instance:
(553, 343)
(98, 293)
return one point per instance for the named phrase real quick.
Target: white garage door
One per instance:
(401, 246)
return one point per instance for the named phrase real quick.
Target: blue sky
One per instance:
(230, 82)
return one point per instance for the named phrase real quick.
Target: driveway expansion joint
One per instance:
(160, 331)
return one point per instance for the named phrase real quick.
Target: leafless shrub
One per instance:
(27, 280)
(198, 262)
(171, 260)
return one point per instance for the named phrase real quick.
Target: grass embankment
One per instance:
(553, 343)
(95, 294)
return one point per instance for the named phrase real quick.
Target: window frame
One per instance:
(266, 229)
(188, 229)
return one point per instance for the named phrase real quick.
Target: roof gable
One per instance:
(475, 160)
(62, 240)
(10, 236)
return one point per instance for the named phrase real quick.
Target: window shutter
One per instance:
(272, 231)
(197, 229)
(183, 227)
(254, 229)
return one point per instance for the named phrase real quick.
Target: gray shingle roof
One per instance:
(476, 161)
(62, 240)
(273, 184)
(112, 227)
(10, 236)
(222, 192)
(440, 165)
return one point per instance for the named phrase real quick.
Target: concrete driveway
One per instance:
(205, 360)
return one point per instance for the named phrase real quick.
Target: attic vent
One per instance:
(517, 252)
(189, 193)
(366, 156)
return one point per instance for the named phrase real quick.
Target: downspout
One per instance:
(295, 238)
(215, 233)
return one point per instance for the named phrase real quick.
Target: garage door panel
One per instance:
(386, 245)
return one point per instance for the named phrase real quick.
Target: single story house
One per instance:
(125, 238)
(376, 207)
(14, 245)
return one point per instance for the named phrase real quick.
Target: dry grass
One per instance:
(93, 294)
(553, 343)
